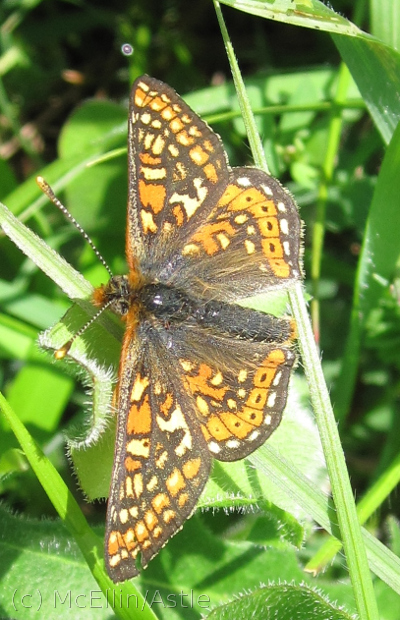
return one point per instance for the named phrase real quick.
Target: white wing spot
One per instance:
(241, 218)
(140, 385)
(148, 140)
(138, 447)
(146, 118)
(242, 376)
(148, 222)
(173, 150)
(250, 247)
(284, 226)
(191, 204)
(214, 447)
(144, 86)
(175, 423)
(223, 239)
(153, 174)
(267, 190)
(217, 379)
(158, 145)
(277, 378)
(202, 406)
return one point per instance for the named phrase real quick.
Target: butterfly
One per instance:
(200, 377)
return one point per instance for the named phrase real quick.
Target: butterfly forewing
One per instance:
(178, 170)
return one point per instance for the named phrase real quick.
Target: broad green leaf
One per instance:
(220, 566)
(375, 68)
(34, 309)
(306, 13)
(388, 601)
(34, 586)
(17, 340)
(69, 280)
(68, 509)
(281, 601)
(92, 128)
(39, 393)
(376, 269)
(385, 21)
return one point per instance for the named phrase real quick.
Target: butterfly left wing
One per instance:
(161, 461)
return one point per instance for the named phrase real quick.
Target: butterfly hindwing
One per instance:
(248, 244)
(239, 393)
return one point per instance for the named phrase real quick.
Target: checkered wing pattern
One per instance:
(248, 244)
(161, 463)
(179, 169)
(193, 222)
(239, 392)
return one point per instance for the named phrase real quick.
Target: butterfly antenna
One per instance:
(46, 189)
(62, 351)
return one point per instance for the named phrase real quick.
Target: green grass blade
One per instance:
(341, 488)
(49, 261)
(375, 68)
(70, 513)
(350, 530)
(319, 507)
(385, 21)
(376, 267)
(371, 502)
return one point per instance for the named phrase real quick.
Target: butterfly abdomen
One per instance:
(244, 323)
(173, 306)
